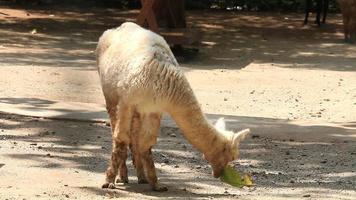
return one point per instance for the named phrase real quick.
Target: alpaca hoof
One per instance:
(142, 181)
(122, 180)
(160, 188)
(108, 185)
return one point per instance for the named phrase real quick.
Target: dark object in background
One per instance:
(167, 18)
(348, 10)
(322, 6)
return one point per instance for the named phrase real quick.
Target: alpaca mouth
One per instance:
(217, 173)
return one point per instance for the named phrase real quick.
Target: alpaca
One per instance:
(140, 80)
(322, 6)
(348, 10)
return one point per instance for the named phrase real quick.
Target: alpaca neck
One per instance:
(196, 128)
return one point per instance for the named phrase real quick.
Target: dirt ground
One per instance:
(260, 67)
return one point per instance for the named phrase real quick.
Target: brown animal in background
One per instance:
(141, 79)
(348, 10)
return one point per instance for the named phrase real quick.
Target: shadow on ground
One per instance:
(64, 37)
(279, 154)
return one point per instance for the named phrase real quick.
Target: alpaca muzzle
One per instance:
(217, 173)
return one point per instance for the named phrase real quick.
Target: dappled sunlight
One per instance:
(240, 36)
(289, 153)
(83, 149)
(54, 109)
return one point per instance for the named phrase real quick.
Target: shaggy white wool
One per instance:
(138, 70)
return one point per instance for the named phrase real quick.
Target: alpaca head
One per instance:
(228, 150)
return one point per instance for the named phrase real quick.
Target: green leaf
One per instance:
(233, 178)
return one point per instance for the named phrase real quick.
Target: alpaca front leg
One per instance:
(139, 169)
(136, 159)
(118, 156)
(151, 172)
(123, 168)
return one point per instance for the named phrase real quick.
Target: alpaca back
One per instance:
(138, 65)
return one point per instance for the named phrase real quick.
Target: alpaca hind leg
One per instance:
(136, 127)
(152, 122)
(119, 152)
(118, 157)
(112, 105)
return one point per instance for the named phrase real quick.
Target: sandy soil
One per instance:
(46, 159)
(260, 66)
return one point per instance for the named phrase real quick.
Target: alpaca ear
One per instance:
(220, 124)
(239, 136)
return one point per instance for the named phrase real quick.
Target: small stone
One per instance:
(287, 153)
(34, 31)
(67, 196)
(176, 166)
(324, 161)
(292, 181)
(225, 99)
(306, 195)
(39, 147)
(198, 167)
(255, 136)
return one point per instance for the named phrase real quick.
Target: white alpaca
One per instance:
(141, 79)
